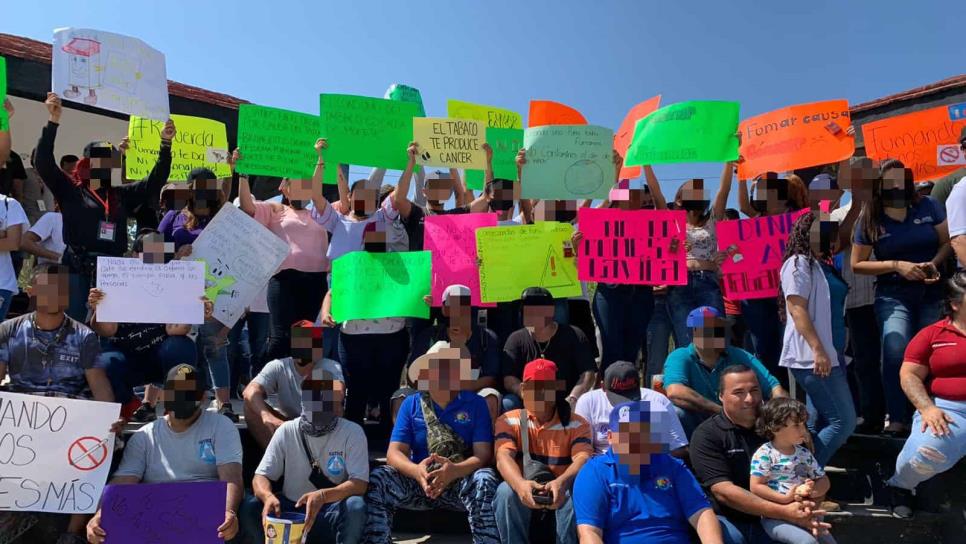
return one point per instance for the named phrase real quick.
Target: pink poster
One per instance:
(642, 247)
(452, 239)
(754, 250)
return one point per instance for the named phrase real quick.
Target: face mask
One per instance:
(501, 205)
(297, 204)
(695, 205)
(760, 206)
(184, 405)
(895, 198)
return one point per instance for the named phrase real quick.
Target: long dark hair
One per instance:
(955, 294)
(679, 198)
(871, 215)
(191, 220)
(800, 245)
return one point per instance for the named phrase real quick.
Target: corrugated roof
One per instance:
(911, 94)
(37, 51)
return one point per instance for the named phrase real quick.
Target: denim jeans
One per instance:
(902, 311)
(789, 533)
(513, 518)
(831, 411)
(342, 521)
(372, 364)
(702, 290)
(247, 343)
(5, 298)
(622, 313)
(765, 330)
(126, 371)
(866, 362)
(924, 455)
(659, 332)
(213, 352)
(743, 532)
(293, 295)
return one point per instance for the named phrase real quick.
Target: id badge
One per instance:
(105, 231)
(41, 205)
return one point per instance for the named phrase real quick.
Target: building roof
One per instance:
(37, 51)
(911, 94)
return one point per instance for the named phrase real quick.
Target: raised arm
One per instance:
(400, 197)
(482, 203)
(53, 177)
(245, 199)
(744, 202)
(724, 190)
(317, 198)
(660, 203)
(5, 144)
(461, 195)
(148, 191)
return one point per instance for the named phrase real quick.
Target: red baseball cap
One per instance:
(540, 370)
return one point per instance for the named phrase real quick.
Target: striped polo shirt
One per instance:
(552, 444)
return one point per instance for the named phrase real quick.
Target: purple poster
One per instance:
(174, 513)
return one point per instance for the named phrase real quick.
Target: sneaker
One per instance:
(901, 503)
(145, 413)
(227, 411)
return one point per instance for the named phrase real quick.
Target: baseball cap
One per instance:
(456, 290)
(698, 315)
(536, 296)
(540, 370)
(629, 412)
(185, 372)
(622, 383)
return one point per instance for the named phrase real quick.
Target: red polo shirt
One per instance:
(942, 348)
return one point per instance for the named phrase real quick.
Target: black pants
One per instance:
(293, 295)
(372, 364)
(866, 362)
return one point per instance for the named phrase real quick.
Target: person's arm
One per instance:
(724, 191)
(461, 195)
(10, 241)
(99, 384)
(847, 226)
(744, 202)
(102, 328)
(759, 487)
(507, 466)
(688, 399)
(255, 395)
(945, 249)
(5, 138)
(959, 247)
(262, 489)
(400, 197)
(660, 203)
(566, 479)
(30, 242)
(778, 392)
(737, 498)
(822, 485)
(50, 173)
(512, 384)
(245, 199)
(798, 309)
(588, 534)
(862, 265)
(231, 473)
(317, 176)
(706, 524)
(148, 191)
(584, 384)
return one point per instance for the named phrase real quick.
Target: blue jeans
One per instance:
(513, 518)
(789, 533)
(658, 339)
(702, 290)
(830, 409)
(765, 330)
(622, 313)
(902, 311)
(341, 521)
(511, 402)
(924, 455)
(213, 351)
(743, 532)
(126, 372)
(247, 345)
(5, 298)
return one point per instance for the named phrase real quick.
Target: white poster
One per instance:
(110, 71)
(135, 292)
(55, 453)
(241, 256)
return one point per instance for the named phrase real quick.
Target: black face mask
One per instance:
(760, 206)
(297, 204)
(184, 405)
(695, 205)
(501, 205)
(566, 216)
(896, 198)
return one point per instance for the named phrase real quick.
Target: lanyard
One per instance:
(105, 203)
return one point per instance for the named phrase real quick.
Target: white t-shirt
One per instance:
(595, 407)
(11, 214)
(50, 229)
(806, 279)
(956, 211)
(343, 454)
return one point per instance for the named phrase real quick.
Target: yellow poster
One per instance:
(450, 143)
(199, 142)
(493, 117)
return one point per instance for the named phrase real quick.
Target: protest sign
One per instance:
(506, 143)
(4, 117)
(135, 292)
(240, 257)
(55, 453)
(276, 142)
(168, 513)
(546, 112)
(452, 241)
(624, 134)
(950, 154)
(374, 285)
(366, 131)
(754, 249)
(516, 257)
(916, 138)
(568, 162)
(640, 247)
(191, 148)
(405, 93)
(452, 143)
(795, 137)
(697, 131)
(491, 115)
(110, 71)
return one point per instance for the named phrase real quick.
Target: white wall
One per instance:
(77, 128)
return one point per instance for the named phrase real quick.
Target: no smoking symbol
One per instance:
(87, 453)
(949, 154)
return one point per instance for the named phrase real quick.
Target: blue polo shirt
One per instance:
(914, 239)
(467, 415)
(652, 507)
(683, 366)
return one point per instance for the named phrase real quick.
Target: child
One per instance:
(783, 470)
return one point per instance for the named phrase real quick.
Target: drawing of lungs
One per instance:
(584, 177)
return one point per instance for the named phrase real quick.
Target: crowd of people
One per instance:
(569, 413)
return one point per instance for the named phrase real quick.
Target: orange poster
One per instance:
(795, 137)
(624, 135)
(545, 112)
(916, 139)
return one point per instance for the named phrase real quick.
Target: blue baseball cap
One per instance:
(630, 412)
(698, 315)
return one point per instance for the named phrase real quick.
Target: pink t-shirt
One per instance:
(307, 240)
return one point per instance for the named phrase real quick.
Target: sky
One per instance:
(601, 57)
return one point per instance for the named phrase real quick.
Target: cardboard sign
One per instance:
(169, 513)
(366, 131)
(276, 142)
(915, 138)
(516, 257)
(374, 285)
(4, 116)
(135, 292)
(405, 93)
(755, 248)
(452, 241)
(191, 148)
(568, 162)
(109, 71)
(56, 453)
(950, 154)
(795, 137)
(451, 143)
(625, 134)
(491, 115)
(506, 143)
(697, 131)
(546, 112)
(641, 247)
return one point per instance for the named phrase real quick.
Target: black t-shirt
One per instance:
(721, 452)
(417, 218)
(568, 349)
(137, 338)
(13, 170)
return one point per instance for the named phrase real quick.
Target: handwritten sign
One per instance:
(276, 142)
(516, 257)
(240, 257)
(452, 241)
(56, 453)
(915, 139)
(568, 162)
(373, 285)
(546, 112)
(795, 137)
(168, 513)
(4, 117)
(405, 93)
(110, 71)
(754, 248)
(491, 115)
(625, 134)
(366, 131)
(196, 137)
(697, 131)
(453, 143)
(506, 143)
(642, 247)
(135, 292)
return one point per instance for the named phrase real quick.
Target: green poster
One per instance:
(366, 131)
(697, 131)
(374, 285)
(506, 143)
(4, 119)
(568, 162)
(405, 93)
(516, 257)
(276, 142)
